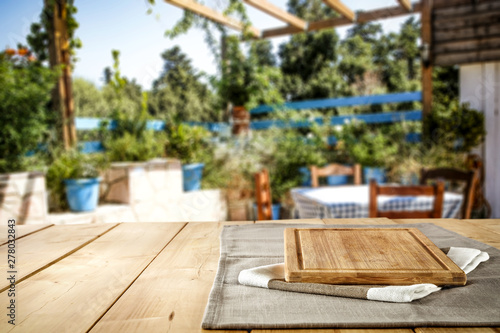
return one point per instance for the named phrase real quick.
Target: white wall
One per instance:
(480, 86)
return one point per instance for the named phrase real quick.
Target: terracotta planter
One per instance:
(241, 120)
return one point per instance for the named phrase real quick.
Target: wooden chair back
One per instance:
(437, 191)
(469, 178)
(335, 169)
(263, 195)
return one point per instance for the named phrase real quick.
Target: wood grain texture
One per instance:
(362, 221)
(367, 256)
(362, 17)
(21, 231)
(211, 14)
(71, 295)
(278, 13)
(301, 221)
(344, 330)
(172, 292)
(489, 224)
(449, 59)
(43, 248)
(335, 169)
(457, 330)
(405, 4)
(461, 227)
(341, 8)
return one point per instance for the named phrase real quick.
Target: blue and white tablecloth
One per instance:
(353, 201)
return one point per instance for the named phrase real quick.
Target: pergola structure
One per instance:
(452, 32)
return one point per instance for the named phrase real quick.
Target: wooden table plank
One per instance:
(21, 231)
(72, 294)
(489, 224)
(363, 221)
(461, 227)
(343, 330)
(43, 248)
(172, 293)
(458, 330)
(294, 221)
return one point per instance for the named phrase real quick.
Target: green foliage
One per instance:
(38, 39)
(249, 81)
(25, 89)
(130, 140)
(292, 152)
(128, 148)
(368, 146)
(303, 58)
(455, 126)
(179, 92)
(190, 144)
(71, 164)
(89, 101)
(356, 58)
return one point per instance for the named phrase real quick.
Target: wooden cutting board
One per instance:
(378, 256)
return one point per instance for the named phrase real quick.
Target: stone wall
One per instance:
(23, 197)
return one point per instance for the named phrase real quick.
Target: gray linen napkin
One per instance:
(272, 277)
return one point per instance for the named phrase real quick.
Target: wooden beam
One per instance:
(362, 17)
(426, 19)
(278, 13)
(341, 8)
(385, 13)
(406, 4)
(59, 55)
(212, 15)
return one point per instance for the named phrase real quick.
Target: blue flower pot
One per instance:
(275, 211)
(82, 194)
(191, 174)
(374, 173)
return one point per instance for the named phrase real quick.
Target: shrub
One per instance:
(25, 90)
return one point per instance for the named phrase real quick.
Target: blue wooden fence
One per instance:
(386, 117)
(343, 101)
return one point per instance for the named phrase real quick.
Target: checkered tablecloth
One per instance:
(353, 201)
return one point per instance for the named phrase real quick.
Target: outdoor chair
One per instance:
(467, 178)
(263, 195)
(335, 169)
(436, 190)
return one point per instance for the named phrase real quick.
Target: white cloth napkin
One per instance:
(465, 258)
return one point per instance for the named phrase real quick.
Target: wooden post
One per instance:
(426, 57)
(59, 55)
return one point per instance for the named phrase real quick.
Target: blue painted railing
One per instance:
(386, 117)
(378, 118)
(343, 101)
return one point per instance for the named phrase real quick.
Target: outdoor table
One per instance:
(352, 201)
(140, 277)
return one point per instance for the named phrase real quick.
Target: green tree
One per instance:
(179, 93)
(25, 88)
(89, 100)
(356, 58)
(407, 47)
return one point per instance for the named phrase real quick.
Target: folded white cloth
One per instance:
(272, 277)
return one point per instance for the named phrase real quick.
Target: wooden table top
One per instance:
(142, 277)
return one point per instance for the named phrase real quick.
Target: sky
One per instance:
(124, 25)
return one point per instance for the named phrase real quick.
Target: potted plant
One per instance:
(371, 148)
(189, 144)
(78, 175)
